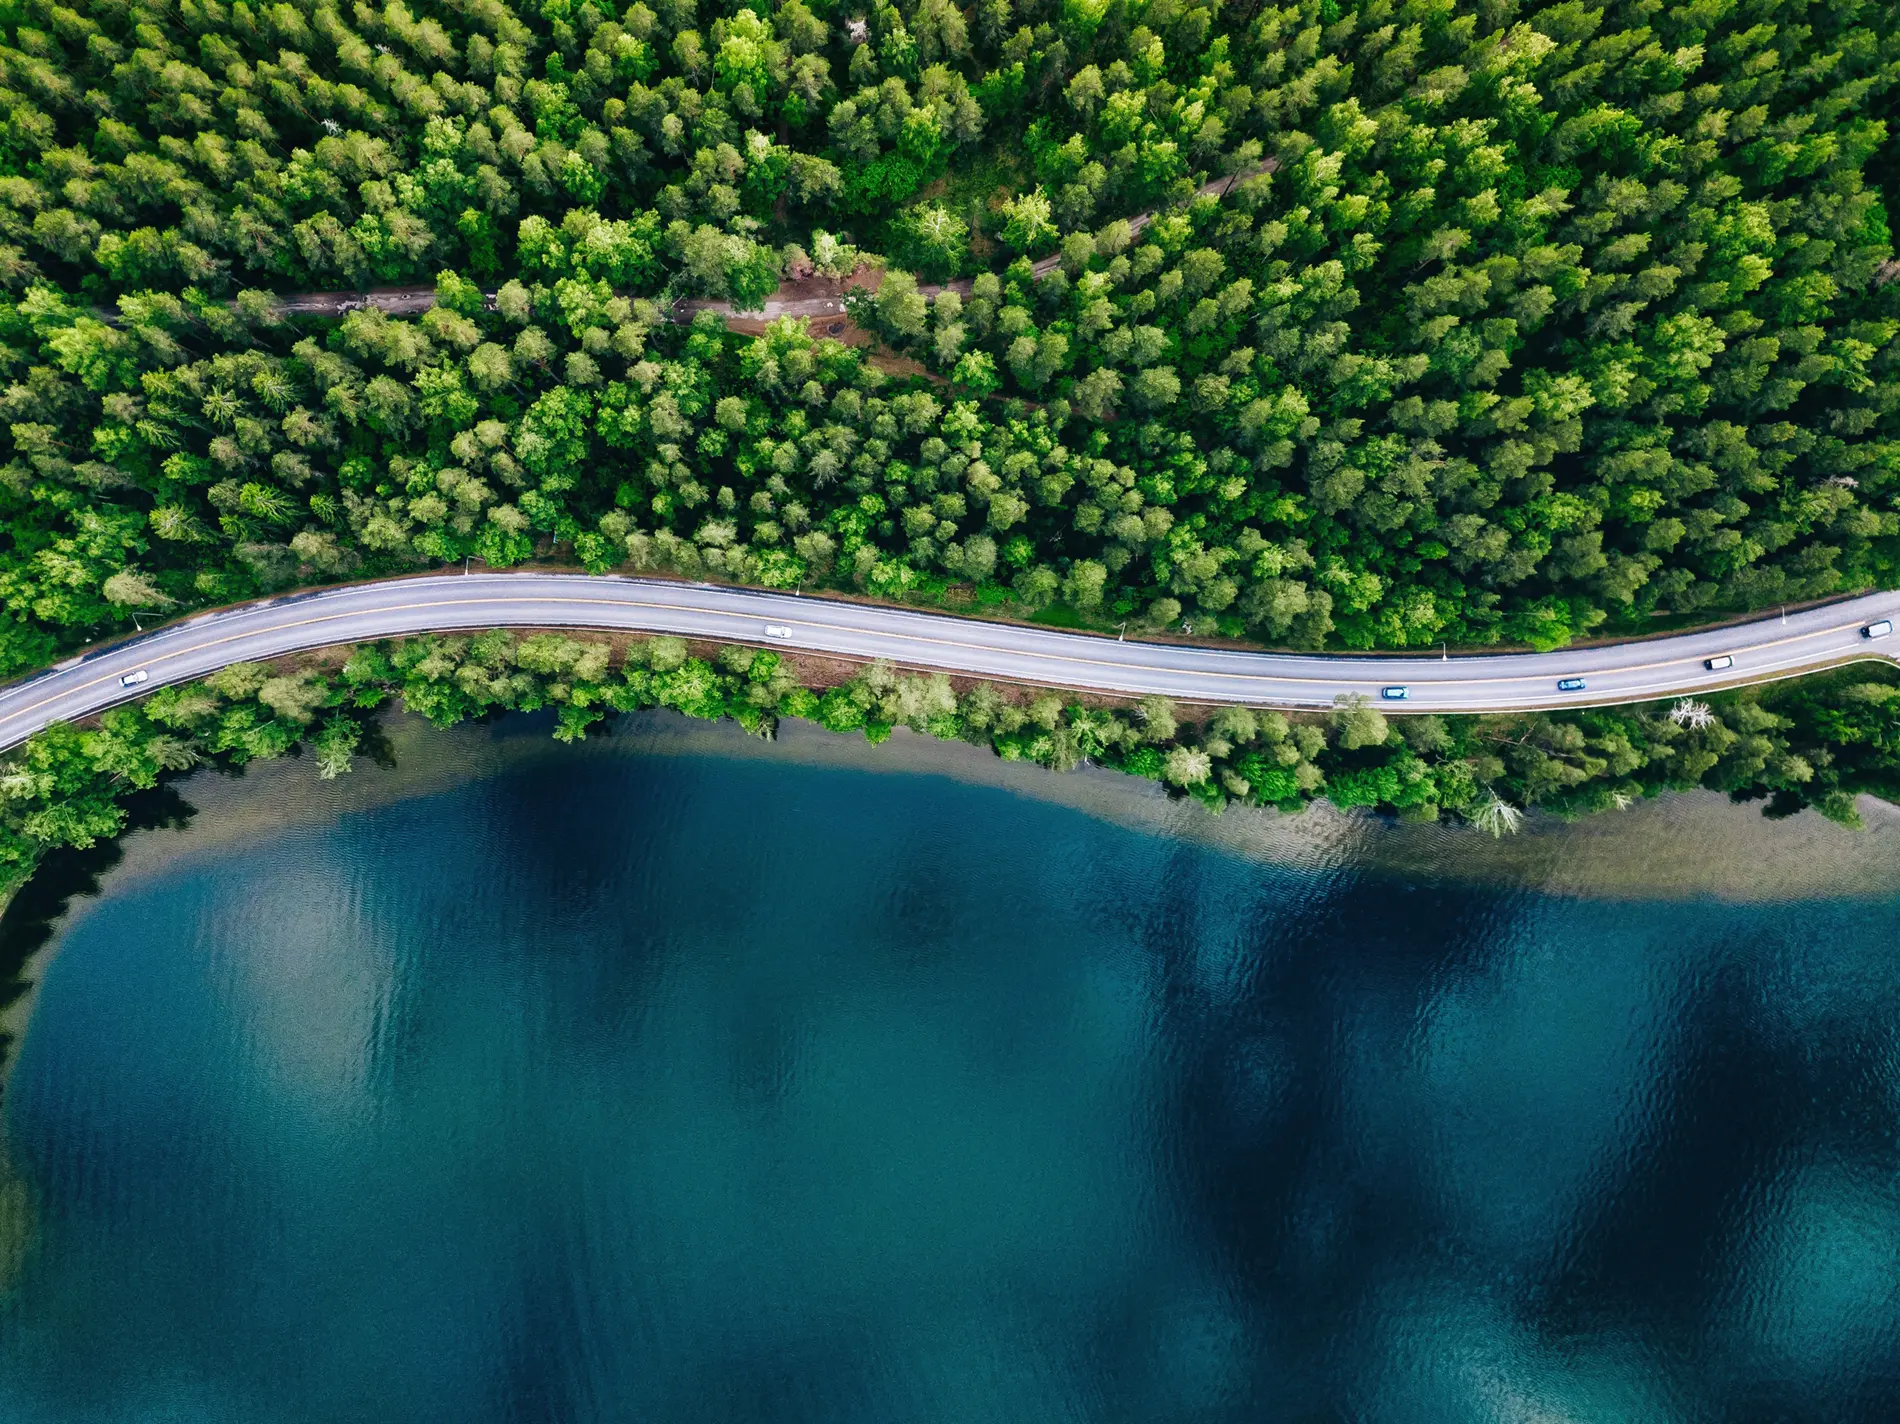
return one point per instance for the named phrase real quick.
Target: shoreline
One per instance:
(1608, 855)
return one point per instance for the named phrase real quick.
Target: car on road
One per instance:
(1878, 630)
(133, 679)
(1395, 694)
(777, 630)
(1717, 664)
(1570, 684)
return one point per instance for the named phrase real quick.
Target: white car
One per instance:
(777, 630)
(133, 679)
(1717, 664)
(1877, 630)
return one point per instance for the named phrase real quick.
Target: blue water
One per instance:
(733, 1089)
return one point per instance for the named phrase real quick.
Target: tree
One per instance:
(1082, 587)
(1187, 766)
(1029, 225)
(1358, 723)
(931, 239)
(901, 310)
(131, 589)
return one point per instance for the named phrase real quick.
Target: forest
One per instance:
(1324, 325)
(1531, 321)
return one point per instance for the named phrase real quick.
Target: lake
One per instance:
(685, 1077)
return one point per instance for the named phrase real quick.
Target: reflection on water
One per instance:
(697, 1079)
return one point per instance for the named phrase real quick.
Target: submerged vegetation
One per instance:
(1817, 742)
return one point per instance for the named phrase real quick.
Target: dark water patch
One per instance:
(32, 916)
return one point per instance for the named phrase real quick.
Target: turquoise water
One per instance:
(611, 1085)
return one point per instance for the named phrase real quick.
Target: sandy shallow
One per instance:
(1678, 846)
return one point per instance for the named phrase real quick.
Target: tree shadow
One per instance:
(37, 908)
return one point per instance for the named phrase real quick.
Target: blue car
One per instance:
(1395, 694)
(1570, 684)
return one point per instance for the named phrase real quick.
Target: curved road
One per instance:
(1625, 672)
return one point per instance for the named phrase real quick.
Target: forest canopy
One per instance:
(1517, 321)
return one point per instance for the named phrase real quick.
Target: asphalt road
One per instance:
(1625, 672)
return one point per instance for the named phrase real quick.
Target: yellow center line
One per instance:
(622, 606)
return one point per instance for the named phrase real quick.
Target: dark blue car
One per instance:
(1570, 684)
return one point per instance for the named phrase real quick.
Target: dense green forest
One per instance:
(1542, 318)
(1517, 322)
(1818, 742)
